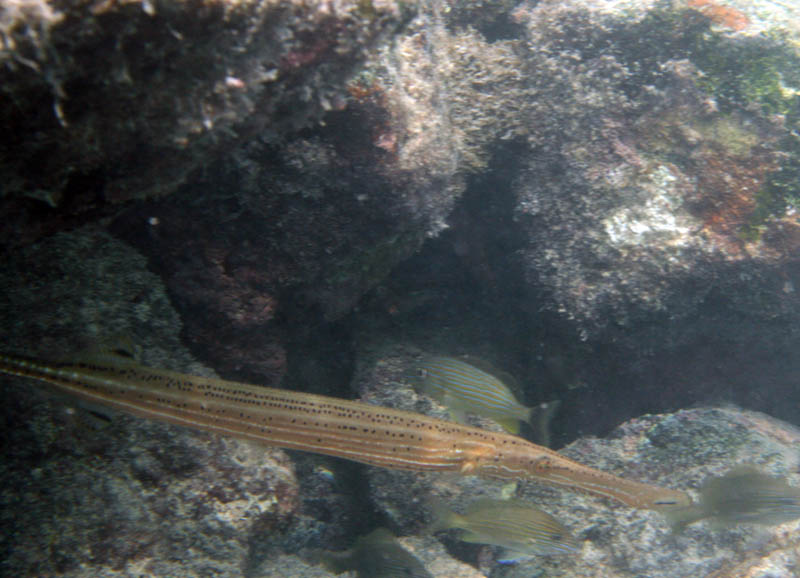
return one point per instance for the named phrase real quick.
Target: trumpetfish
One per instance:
(370, 434)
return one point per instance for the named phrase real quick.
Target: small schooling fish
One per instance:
(521, 529)
(744, 495)
(377, 555)
(465, 388)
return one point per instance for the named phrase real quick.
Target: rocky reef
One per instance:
(91, 492)
(614, 167)
(113, 495)
(599, 198)
(680, 450)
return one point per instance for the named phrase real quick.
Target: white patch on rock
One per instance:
(660, 217)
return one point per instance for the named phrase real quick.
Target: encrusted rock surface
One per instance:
(105, 494)
(679, 450)
(112, 495)
(132, 496)
(109, 101)
(608, 193)
(647, 153)
(656, 169)
(644, 188)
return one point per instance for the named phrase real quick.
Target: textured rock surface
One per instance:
(626, 241)
(656, 166)
(651, 185)
(632, 245)
(658, 201)
(678, 450)
(112, 495)
(132, 496)
(436, 559)
(125, 99)
(84, 495)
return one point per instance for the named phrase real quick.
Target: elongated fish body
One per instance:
(357, 431)
(520, 528)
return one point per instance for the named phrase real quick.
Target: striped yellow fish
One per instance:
(521, 529)
(465, 388)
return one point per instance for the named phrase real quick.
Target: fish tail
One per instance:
(539, 417)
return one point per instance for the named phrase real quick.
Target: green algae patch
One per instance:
(747, 72)
(739, 71)
(761, 75)
(781, 192)
(729, 134)
(751, 82)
